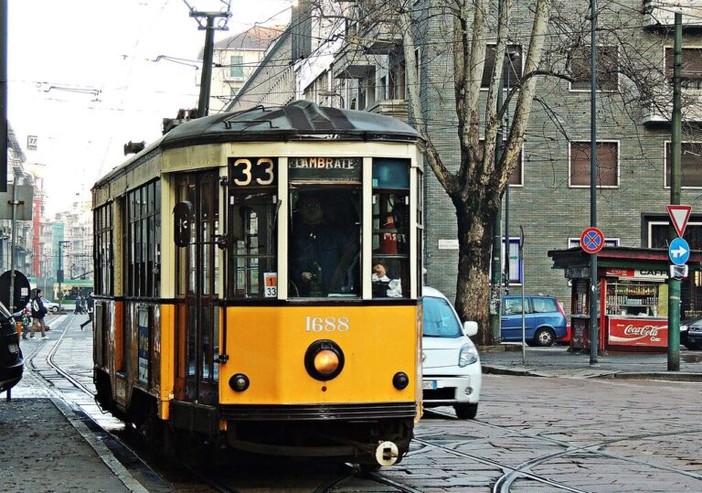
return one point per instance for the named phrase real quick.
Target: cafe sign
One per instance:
(641, 274)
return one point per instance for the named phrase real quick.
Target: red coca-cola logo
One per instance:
(641, 331)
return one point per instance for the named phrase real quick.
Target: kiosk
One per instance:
(633, 296)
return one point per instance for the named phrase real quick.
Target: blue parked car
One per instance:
(545, 321)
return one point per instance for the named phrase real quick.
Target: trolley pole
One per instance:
(203, 107)
(496, 280)
(675, 184)
(594, 290)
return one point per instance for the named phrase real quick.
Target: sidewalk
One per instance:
(46, 445)
(557, 361)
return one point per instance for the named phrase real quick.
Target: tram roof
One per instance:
(297, 121)
(300, 120)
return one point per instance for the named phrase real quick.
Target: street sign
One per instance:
(679, 251)
(679, 214)
(592, 240)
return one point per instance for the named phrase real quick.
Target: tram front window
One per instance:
(325, 243)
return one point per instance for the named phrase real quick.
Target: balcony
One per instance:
(396, 108)
(661, 13)
(352, 63)
(381, 38)
(663, 111)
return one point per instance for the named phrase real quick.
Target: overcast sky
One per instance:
(87, 76)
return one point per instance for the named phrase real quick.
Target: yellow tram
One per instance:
(257, 285)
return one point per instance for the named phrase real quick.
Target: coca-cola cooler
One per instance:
(636, 308)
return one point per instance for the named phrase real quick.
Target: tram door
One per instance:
(197, 319)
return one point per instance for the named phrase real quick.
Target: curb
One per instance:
(600, 374)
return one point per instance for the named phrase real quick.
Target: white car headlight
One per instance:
(468, 355)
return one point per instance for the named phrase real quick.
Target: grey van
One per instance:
(544, 319)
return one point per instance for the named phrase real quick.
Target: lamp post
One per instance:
(59, 272)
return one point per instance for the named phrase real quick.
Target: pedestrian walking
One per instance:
(90, 303)
(38, 313)
(79, 305)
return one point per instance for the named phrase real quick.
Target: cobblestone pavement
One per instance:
(579, 432)
(45, 446)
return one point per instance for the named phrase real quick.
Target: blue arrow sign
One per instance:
(679, 251)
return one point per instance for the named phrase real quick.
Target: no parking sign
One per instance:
(592, 240)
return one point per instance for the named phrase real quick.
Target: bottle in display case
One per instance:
(632, 298)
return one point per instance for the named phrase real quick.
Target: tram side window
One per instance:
(391, 269)
(252, 216)
(103, 234)
(142, 268)
(325, 242)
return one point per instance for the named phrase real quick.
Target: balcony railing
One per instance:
(663, 111)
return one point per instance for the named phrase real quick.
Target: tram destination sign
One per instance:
(325, 168)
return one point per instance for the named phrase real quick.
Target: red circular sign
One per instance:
(592, 240)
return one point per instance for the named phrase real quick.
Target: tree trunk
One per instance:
(474, 257)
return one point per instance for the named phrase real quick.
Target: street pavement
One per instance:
(560, 361)
(47, 446)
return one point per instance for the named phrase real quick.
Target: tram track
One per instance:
(165, 474)
(534, 455)
(594, 450)
(53, 373)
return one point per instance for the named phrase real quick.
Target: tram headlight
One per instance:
(324, 360)
(239, 382)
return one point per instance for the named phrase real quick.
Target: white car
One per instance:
(451, 365)
(50, 305)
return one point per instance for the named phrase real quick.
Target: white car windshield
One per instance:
(439, 319)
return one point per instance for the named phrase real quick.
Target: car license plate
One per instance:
(429, 385)
(13, 348)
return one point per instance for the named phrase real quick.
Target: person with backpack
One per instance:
(38, 313)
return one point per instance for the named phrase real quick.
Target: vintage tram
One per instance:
(257, 285)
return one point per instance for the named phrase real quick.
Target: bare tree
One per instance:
(463, 34)
(478, 182)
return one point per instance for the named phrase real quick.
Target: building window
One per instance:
(516, 178)
(690, 164)
(236, 67)
(607, 73)
(607, 164)
(397, 86)
(691, 73)
(511, 66)
(608, 242)
(516, 264)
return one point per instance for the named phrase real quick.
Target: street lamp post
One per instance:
(59, 272)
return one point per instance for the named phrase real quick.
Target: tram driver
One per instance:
(324, 252)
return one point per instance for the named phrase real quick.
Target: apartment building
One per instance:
(235, 58)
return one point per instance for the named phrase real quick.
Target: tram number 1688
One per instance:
(326, 324)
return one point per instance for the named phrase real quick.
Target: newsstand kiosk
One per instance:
(633, 288)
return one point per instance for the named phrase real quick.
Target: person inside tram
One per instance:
(383, 285)
(324, 251)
